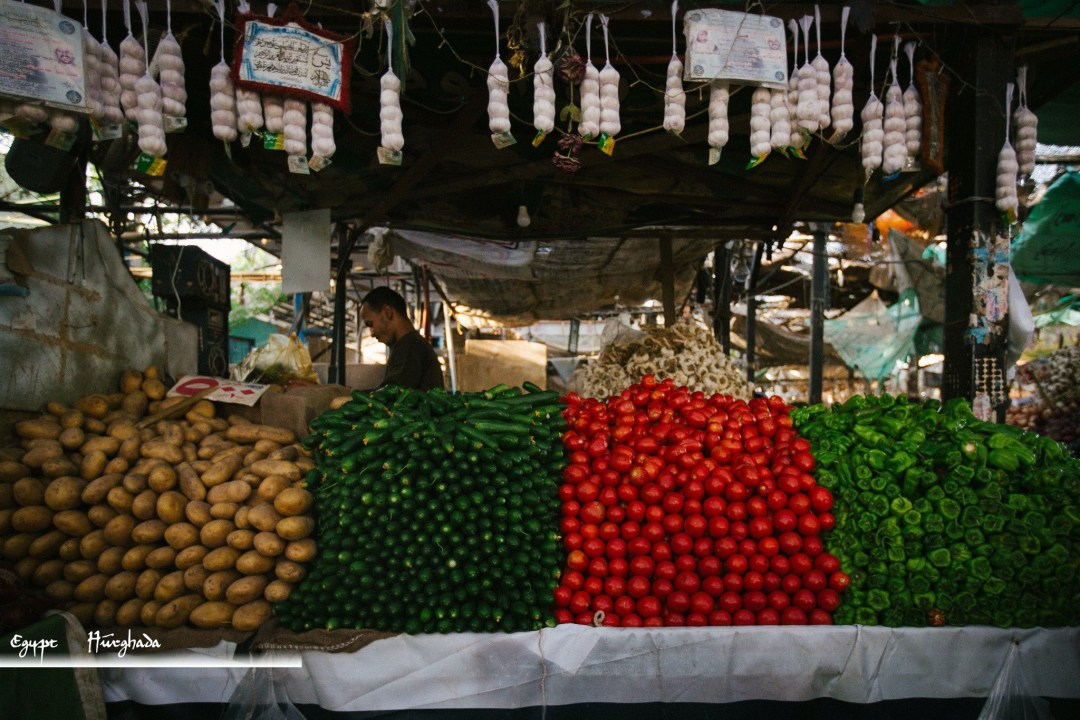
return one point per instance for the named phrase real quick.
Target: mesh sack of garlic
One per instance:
(687, 352)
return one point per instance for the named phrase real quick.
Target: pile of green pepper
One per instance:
(436, 512)
(944, 519)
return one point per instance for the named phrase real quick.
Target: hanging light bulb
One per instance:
(858, 213)
(840, 277)
(523, 219)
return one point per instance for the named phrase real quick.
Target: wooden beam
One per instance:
(667, 281)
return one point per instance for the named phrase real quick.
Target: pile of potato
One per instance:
(196, 519)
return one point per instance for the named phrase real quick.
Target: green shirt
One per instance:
(413, 364)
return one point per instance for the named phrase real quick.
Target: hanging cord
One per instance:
(1021, 86)
(817, 21)
(543, 39)
(793, 25)
(140, 5)
(127, 15)
(220, 6)
(104, 22)
(607, 54)
(390, 45)
(873, 54)
(674, 43)
(806, 22)
(1008, 114)
(168, 17)
(843, 29)
(494, 5)
(588, 38)
(909, 50)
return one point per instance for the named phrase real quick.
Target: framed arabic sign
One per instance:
(288, 56)
(42, 56)
(743, 47)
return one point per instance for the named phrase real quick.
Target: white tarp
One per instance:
(575, 664)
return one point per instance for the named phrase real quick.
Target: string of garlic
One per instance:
(872, 114)
(674, 96)
(894, 154)
(249, 117)
(295, 126)
(912, 108)
(760, 107)
(718, 113)
(498, 83)
(1027, 128)
(390, 100)
(609, 90)
(273, 106)
(132, 67)
(322, 130)
(543, 88)
(1007, 166)
(798, 138)
(821, 67)
(62, 120)
(151, 121)
(779, 119)
(843, 107)
(92, 68)
(807, 108)
(110, 75)
(222, 95)
(169, 61)
(31, 112)
(590, 89)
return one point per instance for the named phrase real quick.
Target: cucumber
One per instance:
(494, 427)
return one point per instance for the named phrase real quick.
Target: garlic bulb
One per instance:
(843, 106)
(498, 83)
(912, 109)
(543, 88)
(249, 115)
(132, 67)
(31, 112)
(1026, 128)
(92, 69)
(322, 130)
(273, 106)
(222, 103)
(807, 108)
(609, 91)
(590, 102)
(779, 118)
(872, 114)
(798, 138)
(148, 97)
(718, 113)
(390, 112)
(894, 154)
(63, 121)
(760, 107)
(169, 62)
(674, 96)
(295, 126)
(1007, 166)
(110, 76)
(821, 67)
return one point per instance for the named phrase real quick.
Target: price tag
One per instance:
(388, 156)
(228, 149)
(245, 139)
(606, 143)
(20, 128)
(150, 165)
(503, 140)
(714, 155)
(110, 132)
(174, 124)
(298, 164)
(274, 141)
(60, 140)
(228, 391)
(540, 136)
(318, 162)
(755, 161)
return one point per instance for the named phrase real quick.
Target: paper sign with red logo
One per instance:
(227, 391)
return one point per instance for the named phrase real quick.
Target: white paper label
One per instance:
(229, 391)
(726, 45)
(42, 56)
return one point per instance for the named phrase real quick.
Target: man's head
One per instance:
(384, 311)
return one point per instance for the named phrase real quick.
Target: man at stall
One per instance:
(412, 362)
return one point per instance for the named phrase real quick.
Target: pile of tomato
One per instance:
(681, 509)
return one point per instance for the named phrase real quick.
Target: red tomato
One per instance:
(718, 527)
(598, 567)
(779, 565)
(713, 507)
(719, 618)
(790, 543)
(725, 547)
(642, 565)
(755, 601)
(803, 460)
(768, 546)
(799, 504)
(812, 546)
(563, 617)
(828, 600)
(771, 581)
(760, 527)
(789, 484)
(593, 548)
(701, 603)
(730, 602)
(616, 548)
(567, 492)
(736, 564)
(573, 541)
(637, 587)
(662, 588)
(681, 544)
(674, 620)
(590, 531)
(661, 551)
(577, 560)
(673, 502)
(619, 567)
(638, 546)
(743, 617)
(821, 499)
(777, 500)
(648, 607)
(779, 601)
(733, 582)
(747, 548)
(793, 616)
(653, 532)
(804, 600)
(653, 622)
(665, 570)
(629, 530)
(820, 617)
(624, 605)
(562, 595)
(694, 490)
(672, 524)
(697, 620)
(688, 583)
(688, 563)
(784, 521)
(703, 547)
(696, 525)
(677, 601)
(758, 563)
(839, 581)
(756, 507)
(627, 493)
(791, 583)
(753, 580)
(594, 585)
(571, 508)
(593, 513)
(827, 520)
(736, 511)
(801, 563)
(826, 563)
(608, 497)
(580, 602)
(602, 603)
(631, 620)
(615, 587)
(708, 566)
(768, 616)
(652, 494)
(654, 513)
(713, 585)
(573, 580)
(636, 511)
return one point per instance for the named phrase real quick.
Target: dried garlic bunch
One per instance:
(1007, 166)
(92, 67)
(222, 94)
(609, 91)
(872, 114)
(390, 100)
(674, 95)
(132, 67)
(543, 88)
(760, 109)
(894, 153)
(798, 138)
(912, 109)
(821, 67)
(589, 127)
(718, 113)
(110, 76)
(1026, 128)
(807, 108)
(249, 116)
(843, 108)
(498, 84)
(151, 121)
(273, 106)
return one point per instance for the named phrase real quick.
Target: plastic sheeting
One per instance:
(575, 664)
(1046, 249)
(513, 283)
(871, 337)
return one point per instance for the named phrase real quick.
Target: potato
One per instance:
(108, 445)
(92, 589)
(270, 487)
(147, 434)
(198, 512)
(149, 531)
(135, 482)
(121, 586)
(47, 573)
(116, 465)
(63, 493)
(7, 495)
(249, 433)
(105, 613)
(252, 458)
(190, 483)
(129, 613)
(278, 591)
(193, 435)
(60, 590)
(93, 465)
(135, 558)
(93, 544)
(148, 614)
(254, 563)
(177, 612)
(147, 583)
(293, 501)
(269, 544)
(305, 464)
(38, 456)
(216, 584)
(241, 518)
(162, 478)
(72, 438)
(213, 533)
(223, 558)
(208, 451)
(79, 570)
(29, 491)
(249, 617)
(289, 571)
(118, 531)
(26, 568)
(32, 519)
(200, 466)
(93, 425)
(161, 450)
(339, 401)
(236, 451)
(204, 409)
(48, 545)
(120, 499)
(246, 589)
(73, 522)
(161, 558)
(114, 400)
(171, 507)
(71, 419)
(212, 614)
(171, 433)
(181, 535)
(265, 468)
(92, 406)
(59, 467)
(69, 551)
(5, 518)
(130, 381)
(170, 587)
(17, 546)
(254, 481)
(135, 403)
(296, 528)
(224, 511)
(154, 389)
(286, 453)
(101, 515)
(194, 577)
(97, 490)
(124, 430)
(221, 471)
(218, 425)
(111, 561)
(264, 517)
(231, 492)
(241, 539)
(144, 506)
(301, 551)
(129, 450)
(10, 471)
(266, 447)
(191, 556)
(40, 428)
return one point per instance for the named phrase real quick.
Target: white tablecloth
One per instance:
(574, 664)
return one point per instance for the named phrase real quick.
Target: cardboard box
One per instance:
(487, 363)
(358, 376)
(292, 409)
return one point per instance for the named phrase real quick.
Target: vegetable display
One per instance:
(943, 519)
(681, 509)
(436, 512)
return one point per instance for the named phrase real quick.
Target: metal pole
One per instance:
(722, 296)
(667, 281)
(336, 371)
(751, 310)
(359, 335)
(819, 288)
(448, 335)
(575, 329)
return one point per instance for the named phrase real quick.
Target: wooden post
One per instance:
(667, 281)
(819, 289)
(751, 310)
(722, 296)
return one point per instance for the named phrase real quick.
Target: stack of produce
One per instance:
(682, 509)
(1061, 423)
(436, 512)
(126, 521)
(943, 519)
(687, 353)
